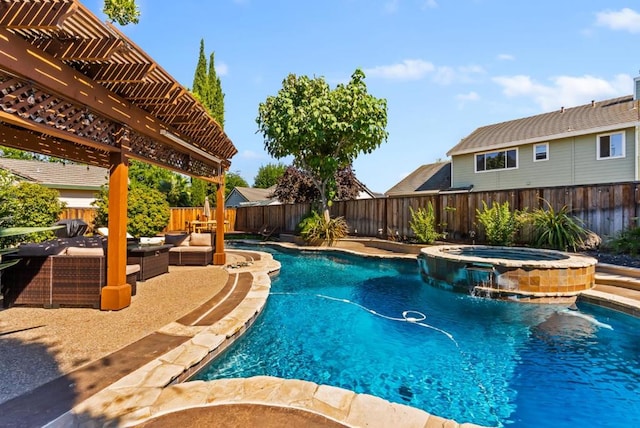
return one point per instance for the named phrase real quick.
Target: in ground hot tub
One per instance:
(527, 274)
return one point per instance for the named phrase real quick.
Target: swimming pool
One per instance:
(357, 323)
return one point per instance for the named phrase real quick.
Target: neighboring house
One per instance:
(77, 184)
(589, 144)
(249, 196)
(426, 179)
(365, 192)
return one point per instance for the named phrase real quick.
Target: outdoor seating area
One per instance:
(191, 249)
(60, 272)
(201, 226)
(70, 272)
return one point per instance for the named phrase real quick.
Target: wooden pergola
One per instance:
(76, 88)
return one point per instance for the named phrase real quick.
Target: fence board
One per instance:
(177, 218)
(604, 209)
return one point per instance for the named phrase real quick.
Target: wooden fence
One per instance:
(605, 209)
(177, 220)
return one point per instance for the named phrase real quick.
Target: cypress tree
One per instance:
(208, 90)
(216, 97)
(200, 83)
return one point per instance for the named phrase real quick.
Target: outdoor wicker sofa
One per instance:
(63, 272)
(192, 249)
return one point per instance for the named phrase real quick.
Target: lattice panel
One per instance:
(29, 103)
(166, 155)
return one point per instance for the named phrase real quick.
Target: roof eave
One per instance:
(545, 138)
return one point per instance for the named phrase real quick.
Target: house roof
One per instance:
(254, 195)
(429, 178)
(57, 175)
(590, 118)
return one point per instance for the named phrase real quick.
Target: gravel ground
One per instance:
(38, 345)
(616, 259)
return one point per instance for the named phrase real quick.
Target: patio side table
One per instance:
(153, 260)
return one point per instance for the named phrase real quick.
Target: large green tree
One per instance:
(215, 101)
(208, 90)
(232, 180)
(200, 86)
(172, 185)
(27, 204)
(323, 129)
(122, 11)
(147, 211)
(207, 87)
(268, 175)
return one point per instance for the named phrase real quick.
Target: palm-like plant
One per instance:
(557, 230)
(315, 229)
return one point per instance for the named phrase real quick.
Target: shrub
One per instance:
(147, 211)
(500, 224)
(29, 205)
(626, 242)
(423, 224)
(557, 230)
(316, 230)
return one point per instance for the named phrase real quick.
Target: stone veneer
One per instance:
(153, 390)
(548, 275)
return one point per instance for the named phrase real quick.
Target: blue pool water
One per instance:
(338, 320)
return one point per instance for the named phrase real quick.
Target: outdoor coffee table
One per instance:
(153, 260)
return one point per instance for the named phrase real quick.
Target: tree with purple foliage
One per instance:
(295, 186)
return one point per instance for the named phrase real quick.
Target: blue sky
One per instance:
(446, 67)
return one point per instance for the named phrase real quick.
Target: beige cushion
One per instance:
(185, 242)
(131, 269)
(200, 240)
(191, 249)
(104, 231)
(84, 251)
(156, 240)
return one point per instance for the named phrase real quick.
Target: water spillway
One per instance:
(520, 273)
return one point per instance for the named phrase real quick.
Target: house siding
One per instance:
(234, 199)
(572, 161)
(77, 198)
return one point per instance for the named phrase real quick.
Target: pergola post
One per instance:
(117, 293)
(219, 256)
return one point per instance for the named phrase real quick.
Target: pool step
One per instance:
(618, 276)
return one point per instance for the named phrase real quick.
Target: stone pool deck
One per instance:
(139, 384)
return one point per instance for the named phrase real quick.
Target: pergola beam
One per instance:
(74, 87)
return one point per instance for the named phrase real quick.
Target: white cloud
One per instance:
(416, 69)
(506, 57)
(222, 69)
(409, 69)
(466, 98)
(625, 19)
(471, 96)
(567, 91)
(250, 154)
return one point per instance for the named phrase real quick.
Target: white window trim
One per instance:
(546, 151)
(475, 163)
(624, 144)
